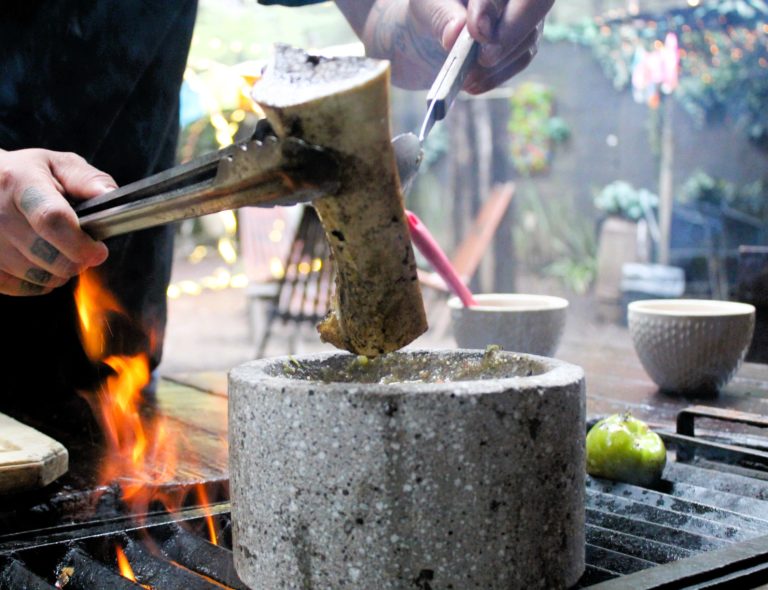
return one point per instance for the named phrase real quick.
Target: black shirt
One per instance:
(100, 78)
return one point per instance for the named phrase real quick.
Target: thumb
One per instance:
(440, 19)
(78, 178)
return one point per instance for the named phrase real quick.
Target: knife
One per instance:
(449, 80)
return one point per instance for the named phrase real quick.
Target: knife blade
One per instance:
(448, 82)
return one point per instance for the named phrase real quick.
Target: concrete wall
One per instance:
(594, 110)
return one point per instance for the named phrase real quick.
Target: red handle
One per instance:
(437, 258)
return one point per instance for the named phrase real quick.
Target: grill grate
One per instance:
(704, 526)
(712, 498)
(169, 553)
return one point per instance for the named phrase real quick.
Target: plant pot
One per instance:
(420, 469)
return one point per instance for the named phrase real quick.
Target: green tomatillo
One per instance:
(623, 448)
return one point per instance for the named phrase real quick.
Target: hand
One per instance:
(416, 36)
(41, 243)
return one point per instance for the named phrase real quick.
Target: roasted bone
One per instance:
(343, 104)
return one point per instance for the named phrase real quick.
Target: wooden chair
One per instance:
(304, 292)
(475, 243)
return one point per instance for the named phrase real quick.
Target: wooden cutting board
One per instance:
(28, 458)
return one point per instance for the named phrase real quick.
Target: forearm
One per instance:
(388, 32)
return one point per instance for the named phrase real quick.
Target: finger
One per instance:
(482, 80)
(57, 227)
(440, 19)
(493, 55)
(78, 178)
(482, 16)
(518, 20)
(16, 264)
(11, 285)
(22, 248)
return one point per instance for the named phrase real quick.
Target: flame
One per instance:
(94, 306)
(125, 569)
(141, 449)
(202, 495)
(123, 565)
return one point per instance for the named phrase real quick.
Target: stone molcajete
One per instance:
(418, 469)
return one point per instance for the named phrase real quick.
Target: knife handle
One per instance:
(451, 76)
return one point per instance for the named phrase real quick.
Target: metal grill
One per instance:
(704, 526)
(707, 519)
(165, 552)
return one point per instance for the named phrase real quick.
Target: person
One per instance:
(89, 99)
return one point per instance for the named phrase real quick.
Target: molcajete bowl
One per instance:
(691, 345)
(418, 469)
(518, 322)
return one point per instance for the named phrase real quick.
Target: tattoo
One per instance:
(393, 36)
(38, 275)
(388, 32)
(44, 251)
(31, 199)
(30, 288)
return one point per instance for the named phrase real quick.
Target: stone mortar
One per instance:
(340, 480)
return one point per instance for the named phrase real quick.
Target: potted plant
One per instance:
(622, 206)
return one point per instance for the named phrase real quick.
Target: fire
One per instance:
(141, 449)
(202, 496)
(123, 566)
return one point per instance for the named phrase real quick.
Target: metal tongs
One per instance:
(262, 171)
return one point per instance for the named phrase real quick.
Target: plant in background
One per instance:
(750, 199)
(701, 188)
(554, 239)
(723, 56)
(623, 200)
(533, 129)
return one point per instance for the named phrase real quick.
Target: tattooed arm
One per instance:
(415, 36)
(41, 243)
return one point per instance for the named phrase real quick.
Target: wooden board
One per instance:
(28, 458)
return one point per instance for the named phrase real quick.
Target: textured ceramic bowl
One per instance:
(691, 345)
(517, 322)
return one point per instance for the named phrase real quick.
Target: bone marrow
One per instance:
(343, 105)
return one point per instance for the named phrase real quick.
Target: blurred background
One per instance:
(636, 143)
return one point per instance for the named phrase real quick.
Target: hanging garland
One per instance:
(723, 57)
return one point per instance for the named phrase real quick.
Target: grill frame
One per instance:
(726, 548)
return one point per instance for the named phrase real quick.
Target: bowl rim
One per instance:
(702, 308)
(555, 374)
(538, 302)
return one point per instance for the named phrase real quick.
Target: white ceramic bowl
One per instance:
(517, 322)
(691, 345)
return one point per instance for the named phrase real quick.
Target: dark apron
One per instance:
(100, 78)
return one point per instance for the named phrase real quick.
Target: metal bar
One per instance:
(643, 548)
(686, 443)
(753, 577)
(669, 535)
(695, 570)
(686, 418)
(721, 481)
(618, 494)
(192, 172)
(616, 562)
(108, 526)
